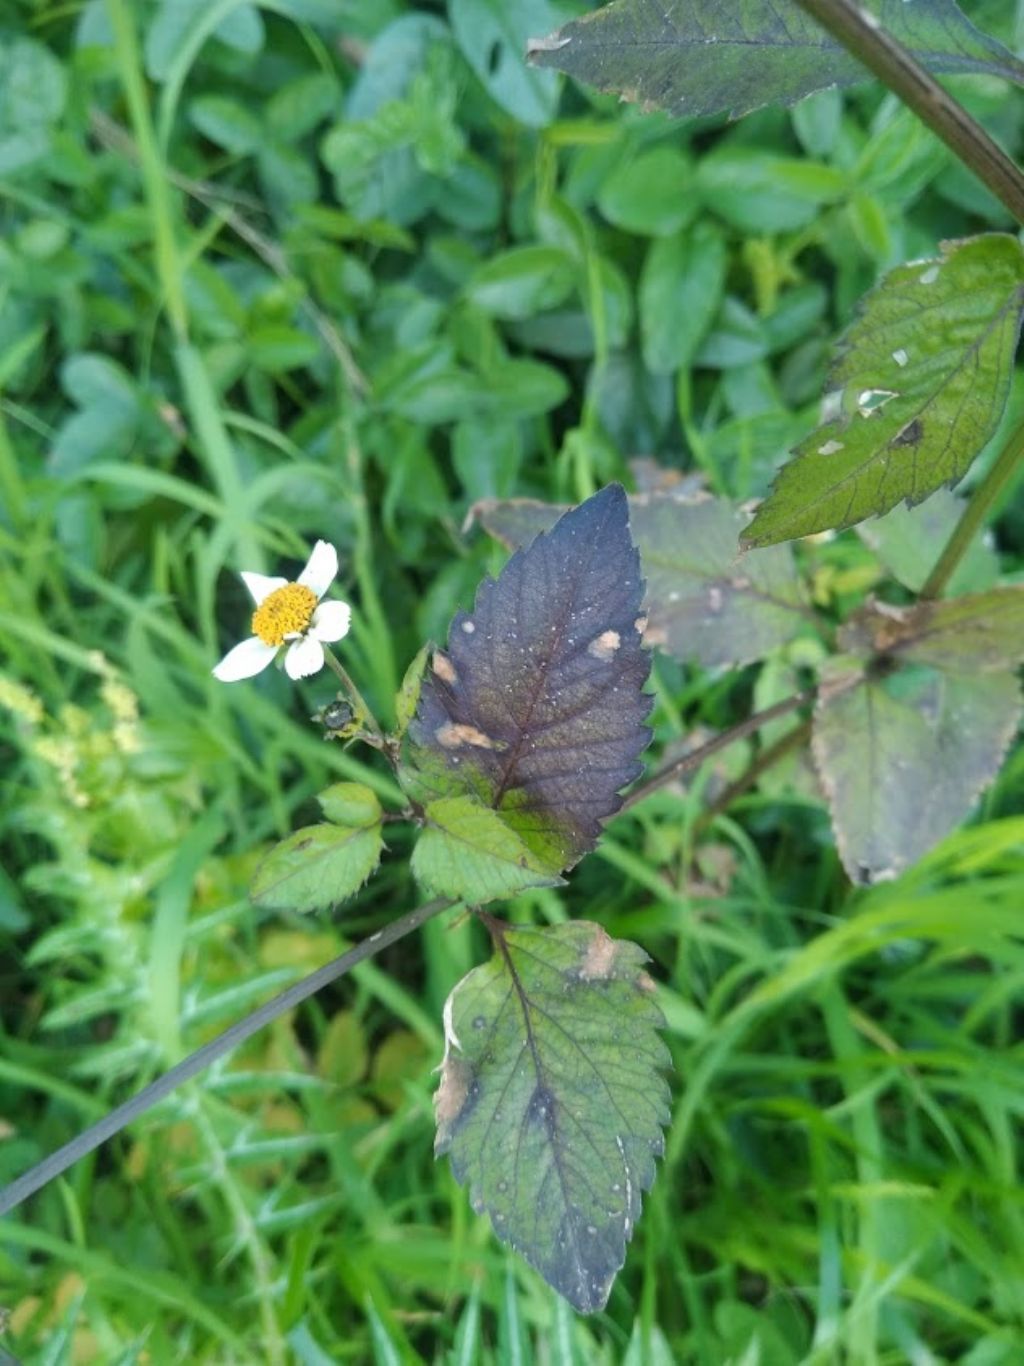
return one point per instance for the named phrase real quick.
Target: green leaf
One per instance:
(408, 696)
(276, 347)
(227, 123)
(537, 708)
(919, 385)
(176, 24)
(493, 35)
(552, 1102)
(33, 86)
(321, 864)
(907, 541)
(33, 92)
(650, 193)
(704, 603)
(681, 290)
(759, 193)
(467, 851)
(288, 178)
(518, 283)
(713, 56)
(980, 632)
(299, 106)
(350, 804)
(903, 757)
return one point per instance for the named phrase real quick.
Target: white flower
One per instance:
(292, 614)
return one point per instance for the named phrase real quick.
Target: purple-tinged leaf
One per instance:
(537, 709)
(552, 1099)
(977, 633)
(906, 541)
(705, 602)
(904, 755)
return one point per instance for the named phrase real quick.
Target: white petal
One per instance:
(305, 657)
(251, 657)
(331, 621)
(261, 585)
(321, 567)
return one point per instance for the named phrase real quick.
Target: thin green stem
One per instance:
(200, 395)
(355, 696)
(12, 488)
(153, 175)
(273, 1344)
(86, 1142)
(857, 30)
(677, 767)
(975, 513)
(362, 557)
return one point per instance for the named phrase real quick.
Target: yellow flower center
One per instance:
(284, 612)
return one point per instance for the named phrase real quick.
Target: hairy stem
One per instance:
(58, 1162)
(677, 767)
(890, 61)
(974, 514)
(355, 696)
(768, 758)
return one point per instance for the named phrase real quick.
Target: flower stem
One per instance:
(891, 62)
(58, 1162)
(355, 696)
(974, 514)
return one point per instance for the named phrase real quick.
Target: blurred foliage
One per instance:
(383, 271)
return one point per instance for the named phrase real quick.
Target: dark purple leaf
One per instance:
(537, 708)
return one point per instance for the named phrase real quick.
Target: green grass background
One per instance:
(337, 270)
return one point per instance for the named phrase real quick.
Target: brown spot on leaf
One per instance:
(910, 435)
(655, 635)
(452, 736)
(640, 624)
(604, 645)
(443, 667)
(645, 982)
(450, 1097)
(599, 958)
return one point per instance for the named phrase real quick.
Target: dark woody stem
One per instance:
(58, 1162)
(696, 757)
(861, 35)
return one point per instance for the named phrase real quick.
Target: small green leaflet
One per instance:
(918, 389)
(695, 57)
(913, 724)
(552, 1098)
(467, 851)
(409, 693)
(322, 864)
(704, 602)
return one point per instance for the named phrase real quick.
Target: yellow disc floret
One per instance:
(285, 612)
